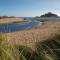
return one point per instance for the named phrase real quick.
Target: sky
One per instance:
(28, 8)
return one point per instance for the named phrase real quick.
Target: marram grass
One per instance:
(8, 51)
(25, 51)
(13, 52)
(49, 49)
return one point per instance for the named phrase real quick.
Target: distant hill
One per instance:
(1, 17)
(49, 14)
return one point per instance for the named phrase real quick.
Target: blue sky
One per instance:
(28, 8)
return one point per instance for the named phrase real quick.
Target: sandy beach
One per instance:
(11, 20)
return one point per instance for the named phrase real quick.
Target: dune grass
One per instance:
(49, 49)
(13, 52)
(30, 37)
(7, 51)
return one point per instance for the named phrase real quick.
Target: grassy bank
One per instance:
(30, 37)
(7, 51)
(47, 49)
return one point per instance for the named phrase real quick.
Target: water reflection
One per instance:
(11, 27)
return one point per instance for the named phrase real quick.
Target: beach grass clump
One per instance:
(14, 52)
(7, 51)
(49, 49)
(25, 53)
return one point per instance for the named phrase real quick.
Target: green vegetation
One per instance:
(24, 52)
(7, 51)
(48, 49)
(1, 17)
(49, 14)
(13, 52)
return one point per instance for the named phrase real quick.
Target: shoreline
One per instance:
(12, 20)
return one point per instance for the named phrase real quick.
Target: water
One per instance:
(18, 26)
